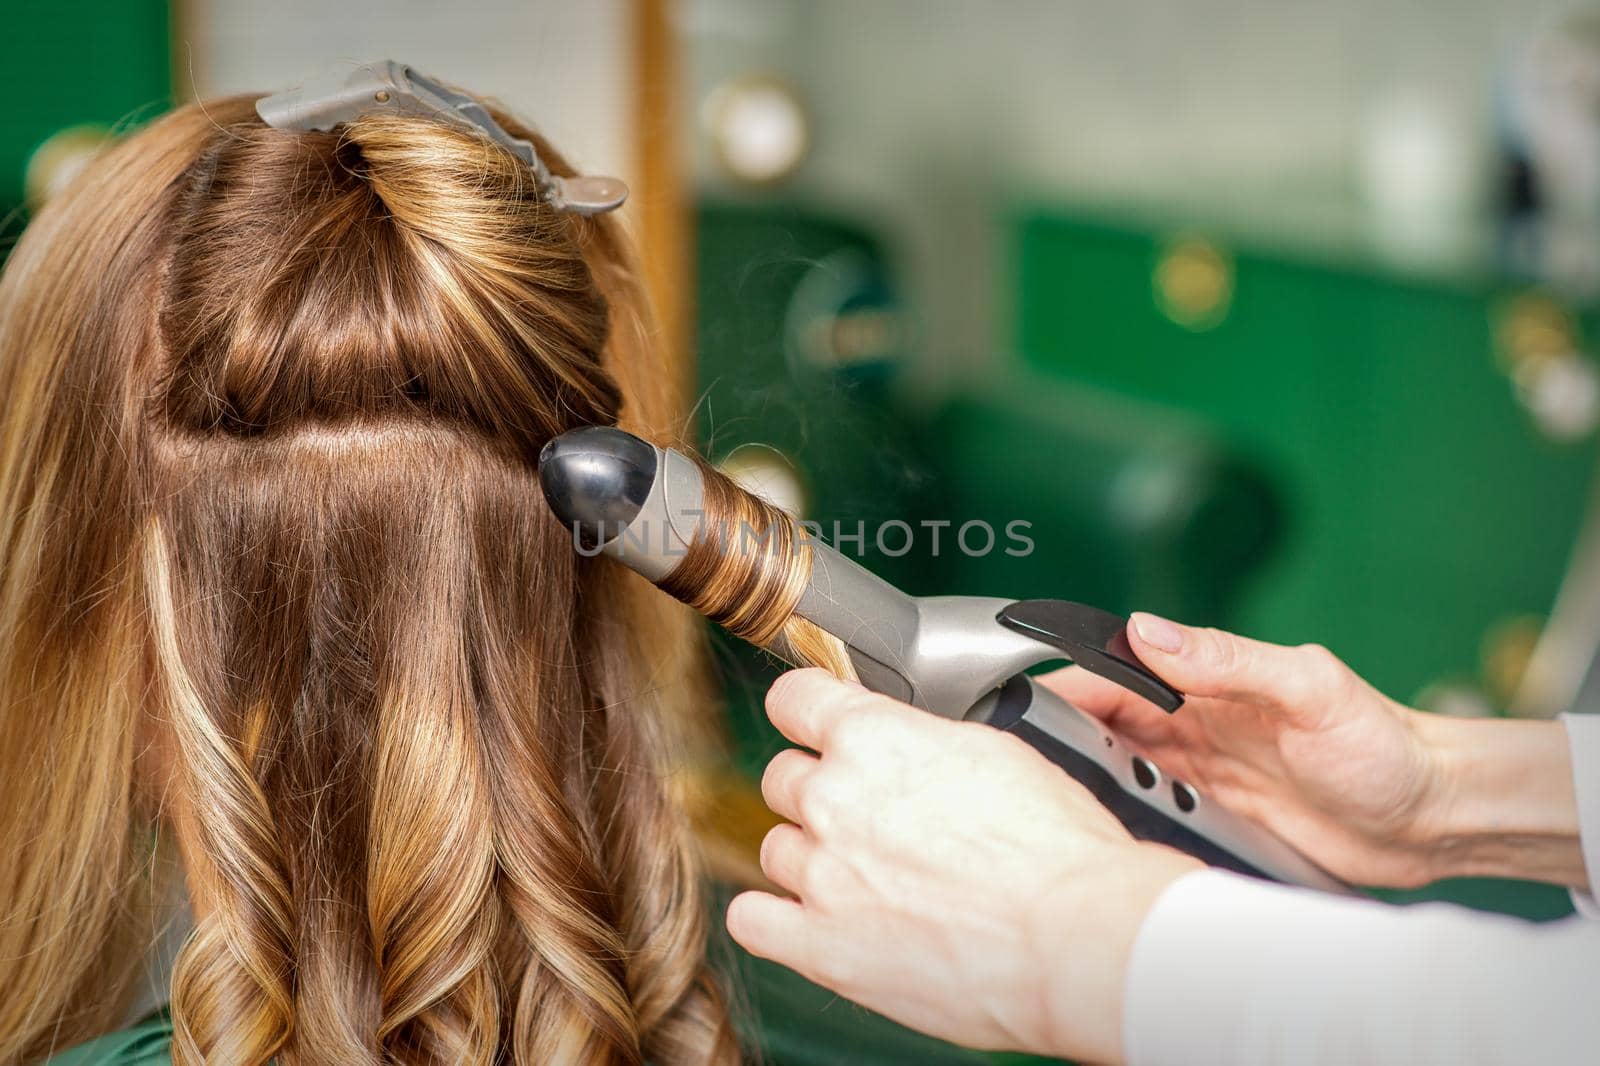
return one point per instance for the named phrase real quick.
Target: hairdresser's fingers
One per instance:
(808, 705)
(785, 779)
(1210, 662)
(786, 854)
(771, 928)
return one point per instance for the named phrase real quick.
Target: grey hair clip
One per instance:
(387, 86)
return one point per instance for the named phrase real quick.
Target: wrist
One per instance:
(1501, 801)
(1084, 934)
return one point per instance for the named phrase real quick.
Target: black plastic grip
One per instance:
(1094, 639)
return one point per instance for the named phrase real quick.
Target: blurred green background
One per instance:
(1262, 316)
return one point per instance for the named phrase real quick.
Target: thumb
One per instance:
(1210, 662)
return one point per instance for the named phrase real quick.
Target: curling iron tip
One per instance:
(596, 479)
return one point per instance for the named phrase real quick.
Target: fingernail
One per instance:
(1157, 632)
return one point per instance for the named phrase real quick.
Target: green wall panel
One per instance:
(94, 62)
(1423, 505)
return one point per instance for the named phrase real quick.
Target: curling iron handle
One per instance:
(1151, 806)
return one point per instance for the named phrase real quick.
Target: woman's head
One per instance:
(268, 503)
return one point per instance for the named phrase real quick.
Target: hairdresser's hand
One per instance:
(1376, 793)
(947, 875)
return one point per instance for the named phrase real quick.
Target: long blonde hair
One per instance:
(272, 402)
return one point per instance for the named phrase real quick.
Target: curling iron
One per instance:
(962, 657)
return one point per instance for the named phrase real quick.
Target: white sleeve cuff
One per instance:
(1583, 740)
(1232, 971)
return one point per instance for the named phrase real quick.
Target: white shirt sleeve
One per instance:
(1237, 972)
(1583, 740)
